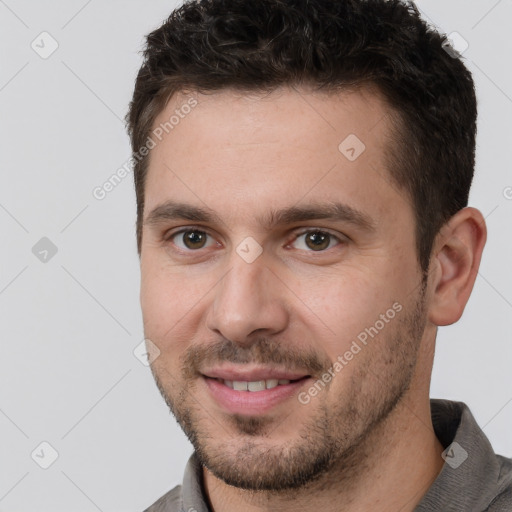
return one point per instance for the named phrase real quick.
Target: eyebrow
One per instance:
(172, 210)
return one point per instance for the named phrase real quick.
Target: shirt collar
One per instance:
(193, 494)
(469, 477)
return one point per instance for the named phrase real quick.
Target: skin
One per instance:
(365, 441)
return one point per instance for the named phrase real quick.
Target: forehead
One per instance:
(235, 151)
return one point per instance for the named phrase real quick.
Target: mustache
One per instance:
(263, 350)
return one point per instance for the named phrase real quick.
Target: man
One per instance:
(302, 177)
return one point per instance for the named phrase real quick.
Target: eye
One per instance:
(315, 240)
(190, 239)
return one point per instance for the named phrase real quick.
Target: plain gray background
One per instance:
(69, 325)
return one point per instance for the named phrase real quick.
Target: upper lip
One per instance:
(252, 374)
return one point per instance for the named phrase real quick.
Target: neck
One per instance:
(390, 470)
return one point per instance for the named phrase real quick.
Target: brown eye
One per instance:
(190, 239)
(194, 239)
(315, 240)
(318, 240)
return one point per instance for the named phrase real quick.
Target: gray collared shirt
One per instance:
(473, 478)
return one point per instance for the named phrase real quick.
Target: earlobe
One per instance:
(456, 258)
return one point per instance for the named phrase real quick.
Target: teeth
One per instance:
(257, 385)
(271, 383)
(239, 385)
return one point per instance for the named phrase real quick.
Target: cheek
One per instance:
(344, 296)
(344, 305)
(170, 303)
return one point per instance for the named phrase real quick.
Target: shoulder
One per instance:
(503, 500)
(169, 502)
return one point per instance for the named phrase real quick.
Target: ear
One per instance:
(454, 265)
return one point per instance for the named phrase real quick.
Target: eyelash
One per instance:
(171, 236)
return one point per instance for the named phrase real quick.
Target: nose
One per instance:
(249, 301)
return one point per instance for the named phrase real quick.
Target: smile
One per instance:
(253, 395)
(256, 385)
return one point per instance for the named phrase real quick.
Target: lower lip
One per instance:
(252, 402)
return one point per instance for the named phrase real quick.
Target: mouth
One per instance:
(254, 392)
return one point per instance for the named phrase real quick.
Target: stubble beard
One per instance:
(335, 440)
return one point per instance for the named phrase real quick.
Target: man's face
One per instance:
(322, 315)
